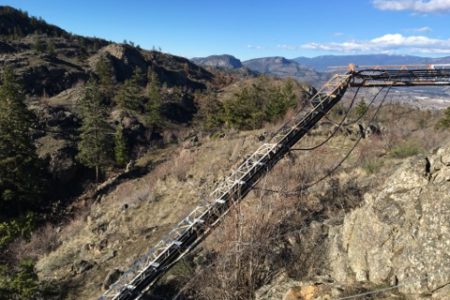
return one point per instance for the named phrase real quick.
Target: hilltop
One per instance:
(15, 23)
(282, 67)
(219, 61)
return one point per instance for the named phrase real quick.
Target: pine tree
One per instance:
(120, 146)
(128, 96)
(289, 96)
(361, 109)
(138, 77)
(51, 48)
(246, 109)
(22, 174)
(210, 110)
(94, 142)
(154, 100)
(104, 71)
(39, 45)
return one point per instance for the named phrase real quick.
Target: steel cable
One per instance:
(335, 130)
(329, 173)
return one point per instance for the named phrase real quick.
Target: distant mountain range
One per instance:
(276, 66)
(324, 63)
(311, 69)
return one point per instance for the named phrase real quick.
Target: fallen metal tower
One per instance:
(206, 216)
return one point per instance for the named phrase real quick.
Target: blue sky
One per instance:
(256, 28)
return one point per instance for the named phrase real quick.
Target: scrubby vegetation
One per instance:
(261, 101)
(19, 285)
(372, 166)
(405, 149)
(444, 122)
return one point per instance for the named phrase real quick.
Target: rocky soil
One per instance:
(133, 214)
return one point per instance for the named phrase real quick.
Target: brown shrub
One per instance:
(43, 241)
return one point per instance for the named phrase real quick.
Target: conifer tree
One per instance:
(210, 110)
(94, 142)
(288, 93)
(361, 109)
(104, 71)
(22, 182)
(128, 96)
(120, 146)
(39, 45)
(154, 100)
(51, 48)
(138, 77)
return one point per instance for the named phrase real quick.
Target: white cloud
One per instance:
(419, 6)
(389, 43)
(256, 47)
(287, 47)
(338, 34)
(422, 29)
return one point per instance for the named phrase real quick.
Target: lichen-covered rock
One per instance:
(401, 234)
(395, 244)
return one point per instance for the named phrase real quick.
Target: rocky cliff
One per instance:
(219, 61)
(282, 67)
(394, 246)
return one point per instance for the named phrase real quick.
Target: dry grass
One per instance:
(140, 211)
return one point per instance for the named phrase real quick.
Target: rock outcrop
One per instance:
(398, 239)
(282, 67)
(219, 61)
(401, 235)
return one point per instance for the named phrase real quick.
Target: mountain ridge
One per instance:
(225, 61)
(324, 62)
(282, 67)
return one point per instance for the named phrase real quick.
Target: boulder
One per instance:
(285, 288)
(112, 277)
(82, 266)
(398, 239)
(400, 235)
(309, 292)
